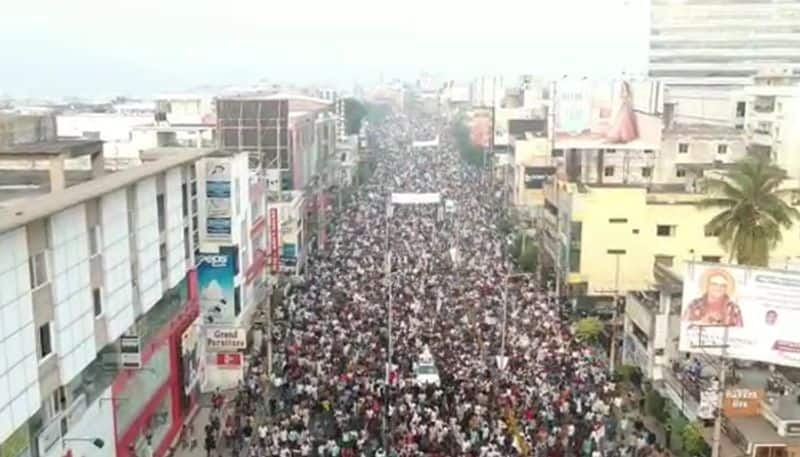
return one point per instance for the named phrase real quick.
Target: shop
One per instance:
(151, 403)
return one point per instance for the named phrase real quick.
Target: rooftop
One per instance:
(16, 184)
(72, 148)
(26, 210)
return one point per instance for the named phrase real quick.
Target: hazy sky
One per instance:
(141, 47)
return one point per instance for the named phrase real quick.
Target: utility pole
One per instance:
(723, 378)
(612, 352)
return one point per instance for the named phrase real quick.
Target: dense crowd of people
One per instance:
(512, 378)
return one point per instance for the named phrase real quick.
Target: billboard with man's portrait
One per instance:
(757, 308)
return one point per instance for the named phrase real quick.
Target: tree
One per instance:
(588, 329)
(354, 113)
(471, 154)
(754, 209)
(693, 442)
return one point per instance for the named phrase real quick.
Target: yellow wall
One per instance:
(531, 152)
(594, 209)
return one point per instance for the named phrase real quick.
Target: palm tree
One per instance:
(754, 209)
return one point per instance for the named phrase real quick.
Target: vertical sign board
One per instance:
(218, 198)
(130, 352)
(215, 274)
(190, 356)
(274, 244)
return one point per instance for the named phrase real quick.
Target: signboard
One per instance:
(190, 356)
(130, 352)
(757, 308)
(274, 243)
(218, 198)
(288, 255)
(259, 260)
(536, 176)
(229, 359)
(792, 428)
(742, 402)
(215, 274)
(218, 227)
(225, 339)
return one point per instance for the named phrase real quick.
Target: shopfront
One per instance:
(151, 403)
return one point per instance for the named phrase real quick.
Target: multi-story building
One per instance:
(180, 120)
(773, 115)
(487, 91)
(632, 227)
(99, 305)
(721, 43)
(115, 130)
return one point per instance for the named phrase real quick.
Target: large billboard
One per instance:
(215, 274)
(605, 114)
(218, 198)
(753, 312)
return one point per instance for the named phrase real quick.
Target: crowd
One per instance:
(450, 294)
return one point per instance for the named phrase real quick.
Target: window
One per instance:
(237, 301)
(97, 299)
(683, 148)
(575, 260)
(162, 212)
(184, 200)
(187, 245)
(722, 149)
(610, 151)
(162, 254)
(647, 172)
(95, 240)
(740, 109)
(710, 233)
(635, 231)
(45, 343)
(665, 230)
(558, 153)
(608, 171)
(648, 151)
(680, 173)
(665, 260)
(617, 220)
(37, 265)
(710, 258)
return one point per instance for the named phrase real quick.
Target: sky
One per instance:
(89, 48)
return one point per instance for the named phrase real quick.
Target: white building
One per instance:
(487, 91)
(773, 117)
(86, 270)
(114, 129)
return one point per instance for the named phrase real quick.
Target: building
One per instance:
(759, 419)
(605, 226)
(773, 115)
(115, 130)
(721, 44)
(99, 305)
(487, 91)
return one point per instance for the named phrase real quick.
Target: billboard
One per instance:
(215, 274)
(536, 176)
(274, 243)
(603, 114)
(218, 198)
(190, 357)
(755, 309)
(289, 255)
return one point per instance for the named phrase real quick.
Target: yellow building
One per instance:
(605, 226)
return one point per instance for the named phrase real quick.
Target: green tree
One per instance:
(693, 442)
(754, 209)
(354, 113)
(471, 154)
(588, 329)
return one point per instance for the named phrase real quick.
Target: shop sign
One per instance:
(742, 402)
(274, 243)
(130, 352)
(49, 435)
(229, 359)
(225, 339)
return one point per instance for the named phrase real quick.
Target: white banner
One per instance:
(225, 339)
(416, 199)
(759, 308)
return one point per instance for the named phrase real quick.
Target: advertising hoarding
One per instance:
(190, 357)
(274, 243)
(218, 198)
(215, 274)
(757, 308)
(225, 339)
(536, 176)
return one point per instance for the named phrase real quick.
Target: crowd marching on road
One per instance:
(458, 309)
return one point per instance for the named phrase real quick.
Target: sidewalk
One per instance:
(198, 421)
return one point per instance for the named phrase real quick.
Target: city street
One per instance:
(480, 362)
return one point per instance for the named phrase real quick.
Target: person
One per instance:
(771, 317)
(716, 306)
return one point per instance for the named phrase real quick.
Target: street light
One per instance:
(97, 442)
(613, 349)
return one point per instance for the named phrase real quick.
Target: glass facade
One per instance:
(158, 426)
(142, 385)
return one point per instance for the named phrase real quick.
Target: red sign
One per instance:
(233, 359)
(274, 245)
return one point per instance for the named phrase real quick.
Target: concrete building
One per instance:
(721, 43)
(99, 302)
(650, 342)
(115, 130)
(773, 115)
(487, 91)
(636, 226)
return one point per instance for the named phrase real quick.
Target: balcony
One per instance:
(764, 105)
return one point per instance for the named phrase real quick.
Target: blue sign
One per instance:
(218, 189)
(218, 226)
(289, 255)
(215, 274)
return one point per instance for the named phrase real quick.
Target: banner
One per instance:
(218, 198)
(274, 243)
(289, 255)
(225, 339)
(215, 274)
(190, 356)
(536, 176)
(758, 309)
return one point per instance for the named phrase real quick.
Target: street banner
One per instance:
(274, 243)
(416, 198)
(215, 274)
(752, 312)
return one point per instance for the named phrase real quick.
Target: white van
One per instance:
(425, 371)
